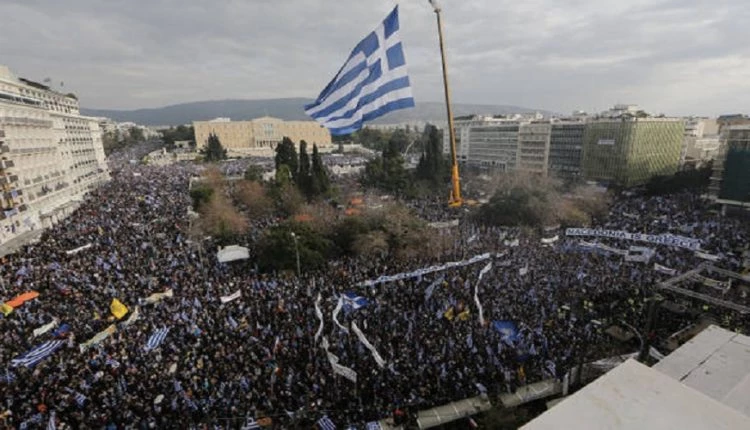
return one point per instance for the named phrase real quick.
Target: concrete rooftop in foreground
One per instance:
(636, 397)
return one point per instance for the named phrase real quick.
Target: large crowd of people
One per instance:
(222, 361)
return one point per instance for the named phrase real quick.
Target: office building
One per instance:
(730, 182)
(51, 155)
(489, 143)
(629, 150)
(260, 136)
(566, 148)
(534, 147)
(701, 142)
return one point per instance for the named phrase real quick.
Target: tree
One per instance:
(304, 181)
(213, 150)
(433, 167)
(321, 183)
(254, 173)
(287, 155)
(254, 199)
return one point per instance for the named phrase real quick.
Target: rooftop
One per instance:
(634, 396)
(716, 362)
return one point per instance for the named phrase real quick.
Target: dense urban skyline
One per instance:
(678, 58)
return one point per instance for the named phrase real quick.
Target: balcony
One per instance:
(6, 164)
(13, 194)
(4, 149)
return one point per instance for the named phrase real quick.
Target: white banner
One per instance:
(79, 249)
(659, 239)
(706, 256)
(631, 216)
(512, 243)
(550, 240)
(425, 271)
(132, 318)
(639, 254)
(45, 328)
(336, 311)
(484, 271)
(157, 297)
(368, 345)
(337, 368)
(444, 224)
(665, 270)
(523, 270)
(98, 338)
(226, 299)
(319, 314)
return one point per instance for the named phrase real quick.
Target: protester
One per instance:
(190, 359)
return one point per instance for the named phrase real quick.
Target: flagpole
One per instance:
(455, 199)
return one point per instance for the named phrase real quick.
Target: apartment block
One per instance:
(51, 156)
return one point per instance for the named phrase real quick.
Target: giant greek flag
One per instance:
(372, 82)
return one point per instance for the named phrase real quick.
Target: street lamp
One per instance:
(296, 250)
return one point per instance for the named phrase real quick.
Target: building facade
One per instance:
(533, 147)
(629, 151)
(730, 181)
(260, 136)
(566, 149)
(51, 155)
(701, 143)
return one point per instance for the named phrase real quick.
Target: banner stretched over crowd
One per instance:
(319, 314)
(483, 272)
(659, 239)
(368, 345)
(79, 249)
(664, 269)
(432, 269)
(226, 299)
(107, 332)
(334, 360)
(707, 256)
(45, 328)
(157, 297)
(132, 318)
(551, 240)
(639, 254)
(339, 305)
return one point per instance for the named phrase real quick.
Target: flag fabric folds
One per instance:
(372, 82)
(21, 299)
(336, 311)
(118, 309)
(132, 318)
(156, 339)
(354, 301)
(507, 329)
(250, 424)
(36, 355)
(325, 423)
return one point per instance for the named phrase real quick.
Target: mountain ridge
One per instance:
(289, 109)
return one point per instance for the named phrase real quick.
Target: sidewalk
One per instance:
(19, 241)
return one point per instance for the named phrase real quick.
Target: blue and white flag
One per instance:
(8, 377)
(374, 425)
(507, 329)
(325, 423)
(353, 301)
(156, 339)
(112, 362)
(33, 357)
(52, 425)
(372, 82)
(250, 424)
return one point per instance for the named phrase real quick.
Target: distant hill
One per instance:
(288, 109)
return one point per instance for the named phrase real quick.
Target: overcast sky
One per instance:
(672, 56)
